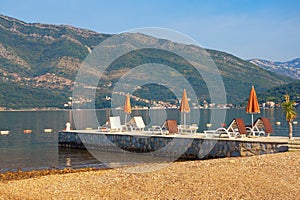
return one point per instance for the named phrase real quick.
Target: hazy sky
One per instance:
(266, 29)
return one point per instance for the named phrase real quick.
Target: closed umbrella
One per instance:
(252, 106)
(184, 106)
(127, 107)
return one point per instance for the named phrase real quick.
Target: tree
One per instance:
(290, 113)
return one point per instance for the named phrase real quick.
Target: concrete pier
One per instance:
(294, 144)
(192, 146)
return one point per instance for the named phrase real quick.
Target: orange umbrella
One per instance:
(252, 106)
(184, 105)
(127, 106)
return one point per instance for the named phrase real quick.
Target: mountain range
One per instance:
(39, 63)
(289, 68)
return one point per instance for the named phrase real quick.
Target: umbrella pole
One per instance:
(184, 119)
(125, 118)
(252, 123)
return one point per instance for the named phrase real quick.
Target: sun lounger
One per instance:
(235, 129)
(157, 130)
(137, 123)
(261, 126)
(188, 128)
(115, 124)
(169, 127)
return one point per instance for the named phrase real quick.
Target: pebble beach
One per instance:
(273, 176)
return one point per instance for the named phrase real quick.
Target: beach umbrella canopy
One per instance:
(127, 106)
(184, 106)
(252, 106)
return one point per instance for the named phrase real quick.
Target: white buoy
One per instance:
(208, 125)
(48, 130)
(277, 123)
(68, 162)
(68, 126)
(295, 122)
(4, 132)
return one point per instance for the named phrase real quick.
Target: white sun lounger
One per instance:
(115, 124)
(187, 129)
(262, 126)
(235, 129)
(137, 123)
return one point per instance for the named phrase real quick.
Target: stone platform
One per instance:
(192, 146)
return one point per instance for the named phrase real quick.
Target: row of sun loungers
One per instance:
(137, 124)
(236, 128)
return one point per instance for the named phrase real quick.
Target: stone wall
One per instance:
(168, 146)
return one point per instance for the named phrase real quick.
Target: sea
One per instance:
(39, 148)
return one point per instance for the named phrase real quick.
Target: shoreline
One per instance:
(20, 175)
(270, 176)
(70, 109)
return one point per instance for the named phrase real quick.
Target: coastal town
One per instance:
(168, 105)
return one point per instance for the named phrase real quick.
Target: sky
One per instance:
(264, 29)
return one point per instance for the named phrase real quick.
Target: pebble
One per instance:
(274, 176)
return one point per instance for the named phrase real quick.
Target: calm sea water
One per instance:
(39, 150)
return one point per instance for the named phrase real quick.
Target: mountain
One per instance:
(289, 68)
(39, 63)
(41, 57)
